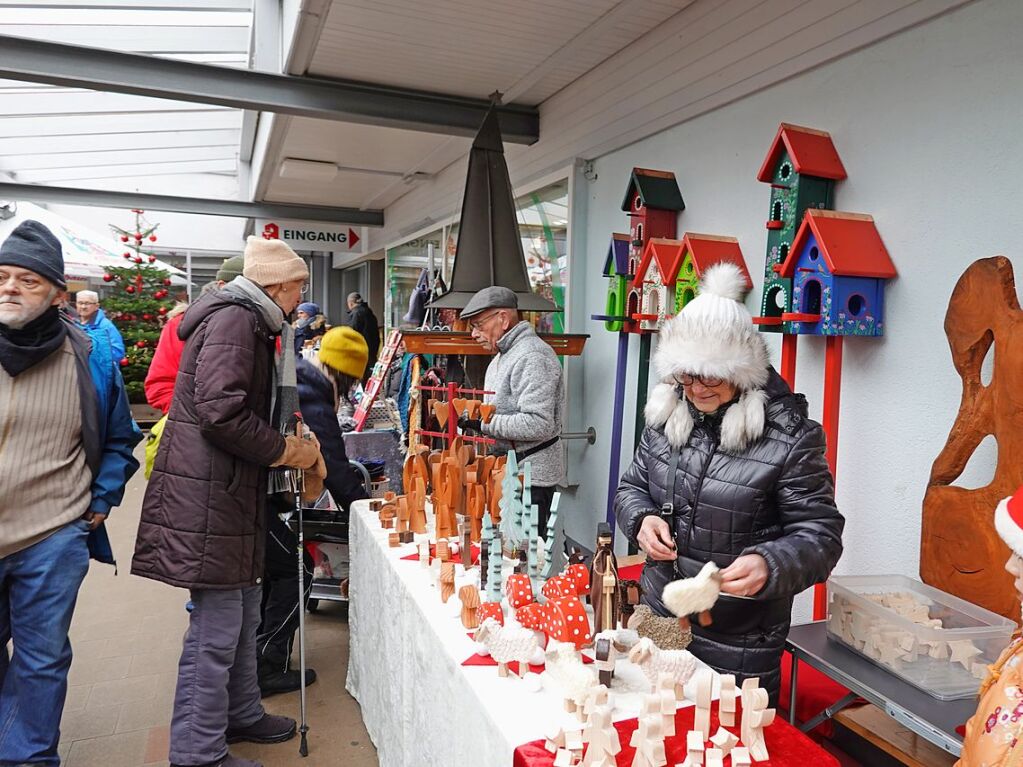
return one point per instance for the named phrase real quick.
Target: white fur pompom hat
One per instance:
(1009, 521)
(713, 336)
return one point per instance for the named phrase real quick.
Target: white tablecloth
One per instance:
(419, 704)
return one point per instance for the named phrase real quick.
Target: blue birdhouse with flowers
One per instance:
(838, 267)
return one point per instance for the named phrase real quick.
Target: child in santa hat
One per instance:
(993, 734)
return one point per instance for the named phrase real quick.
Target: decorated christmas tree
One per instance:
(137, 302)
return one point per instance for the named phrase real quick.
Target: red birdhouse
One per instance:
(652, 202)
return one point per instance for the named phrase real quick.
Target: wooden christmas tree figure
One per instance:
(552, 521)
(601, 738)
(486, 534)
(511, 506)
(494, 578)
(533, 517)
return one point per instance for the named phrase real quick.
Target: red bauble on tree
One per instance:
(152, 238)
(152, 259)
(138, 236)
(147, 317)
(162, 311)
(124, 238)
(108, 278)
(137, 259)
(127, 255)
(140, 345)
(125, 362)
(129, 289)
(167, 281)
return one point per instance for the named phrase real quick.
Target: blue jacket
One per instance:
(101, 326)
(109, 433)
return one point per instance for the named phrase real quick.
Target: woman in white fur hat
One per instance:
(730, 470)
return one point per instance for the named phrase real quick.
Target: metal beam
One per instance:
(139, 5)
(81, 67)
(205, 207)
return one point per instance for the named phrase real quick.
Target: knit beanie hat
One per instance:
(271, 262)
(1009, 521)
(309, 308)
(34, 247)
(712, 336)
(231, 268)
(345, 350)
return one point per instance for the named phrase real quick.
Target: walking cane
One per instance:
(299, 482)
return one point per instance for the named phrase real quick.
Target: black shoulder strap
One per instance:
(668, 507)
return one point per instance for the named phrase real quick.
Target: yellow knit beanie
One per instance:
(344, 349)
(271, 262)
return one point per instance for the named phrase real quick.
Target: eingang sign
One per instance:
(308, 236)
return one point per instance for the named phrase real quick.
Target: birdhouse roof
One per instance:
(811, 151)
(657, 189)
(710, 249)
(617, 261)
(850, 242)
(666, 254)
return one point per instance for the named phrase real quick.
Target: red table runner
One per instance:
(788, 747)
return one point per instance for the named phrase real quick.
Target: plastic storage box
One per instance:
(935, 641)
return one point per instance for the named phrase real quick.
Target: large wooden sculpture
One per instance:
(960, 552)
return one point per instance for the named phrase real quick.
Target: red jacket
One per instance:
(163, 370)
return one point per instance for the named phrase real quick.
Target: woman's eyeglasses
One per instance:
(709, 381)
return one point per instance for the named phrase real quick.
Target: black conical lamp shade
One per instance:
(489, 246)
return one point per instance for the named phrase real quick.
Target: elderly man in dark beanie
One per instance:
(226, 446)
(65, 457)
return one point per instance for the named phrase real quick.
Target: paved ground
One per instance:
(127, 638)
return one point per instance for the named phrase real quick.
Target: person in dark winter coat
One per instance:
(321, 383)
(750, 491)
(362, 319)
(310, 324)
(203, 518)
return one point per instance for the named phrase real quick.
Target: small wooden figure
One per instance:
(714, 757)
(665, 695)
(555, 739)
(648, 740)
(702, 720)
(740, 757)
(757, 745)
(604, 658)
(393, 540)
(565, 758)
(724, 740)
(654, 661)
(470, 597)
(604, 581)
(447, 581)
(755, 716)
(602, 740)
(694, 747)
(507, 644)
(487, 412)
(424, 553)
(726, 700)
(443, 550)
(466, 552)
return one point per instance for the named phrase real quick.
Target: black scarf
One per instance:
(22, 348)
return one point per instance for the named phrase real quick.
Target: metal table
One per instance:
(930, 718)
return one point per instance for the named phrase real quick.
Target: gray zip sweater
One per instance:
(530, 397)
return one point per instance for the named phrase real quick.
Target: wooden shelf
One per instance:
(451, 342)
(895, 739)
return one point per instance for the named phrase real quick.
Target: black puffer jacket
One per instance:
(775, 498)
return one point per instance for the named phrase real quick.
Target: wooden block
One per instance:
(714, 758)
(740, 757)
(726, 701)
(724, 740)
(470, 597)
(443, 551)
(447, 581)
(702, 719)
(393, 541)
(407, 536)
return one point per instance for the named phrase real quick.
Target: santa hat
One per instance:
(1009, 521)
(712, 336)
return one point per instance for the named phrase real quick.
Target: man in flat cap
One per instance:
(65, 457)
(529, 390)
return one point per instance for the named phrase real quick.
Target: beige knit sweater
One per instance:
(44, 479)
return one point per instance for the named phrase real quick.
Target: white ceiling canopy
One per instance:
(75, 137)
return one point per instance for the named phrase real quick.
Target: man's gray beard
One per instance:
(19, 324)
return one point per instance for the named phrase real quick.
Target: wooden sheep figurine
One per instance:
(695, 595)
(565, 666)
(679, 664)
(507, 644)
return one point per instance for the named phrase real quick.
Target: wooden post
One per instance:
(616, 425)
(832, 402)
(789, 342)
(452, 414)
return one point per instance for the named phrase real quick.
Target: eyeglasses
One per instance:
(86, 303)
(304, 289)
(709, 381)
(478, 323)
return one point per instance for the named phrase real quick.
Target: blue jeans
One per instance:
(38, 589)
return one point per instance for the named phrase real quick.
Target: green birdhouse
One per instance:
(616, 269)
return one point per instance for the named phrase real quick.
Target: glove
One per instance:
(314, 481)
(299, 453)
(465, 423)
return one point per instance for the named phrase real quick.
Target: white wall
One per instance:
(927, 124)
